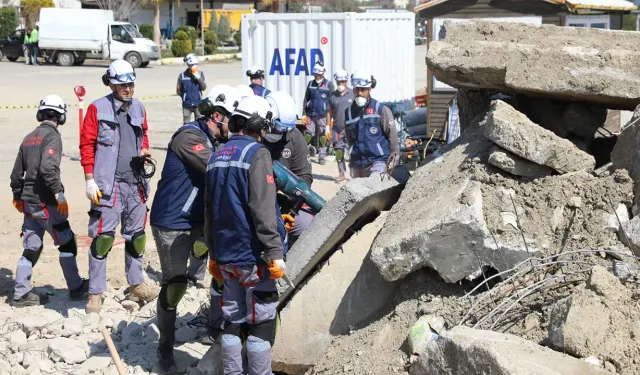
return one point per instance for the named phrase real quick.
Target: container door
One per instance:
(120, 42)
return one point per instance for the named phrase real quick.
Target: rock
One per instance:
(67, 351)
(211, 362)
(465, 350)
(358, 199)
(531, 322)
(351, 290)
(514, 132)
(577, 64)
(72, 326)
(185, 334)
(625, 156)
(96, 363)
(41, 345)
(612, 220)
(516, 165)
(31, 323)
(106, 321)
(558, 218)
(622, 270)
(32, 357)
(132, 334)
(574, 202)
(91, 322)
(17, 338)
(629, 234)
(593, 361)
(426, 329)
(454, 238)
(130, 306)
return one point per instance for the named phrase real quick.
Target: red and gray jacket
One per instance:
(100, 141)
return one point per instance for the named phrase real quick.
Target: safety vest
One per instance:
(191, 96)
(260, 90)
(364, 127)
(108, 141)
(235, 240)
(318, 104)
(179, 201)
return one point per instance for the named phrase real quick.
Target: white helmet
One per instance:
(191, 59)
(119, 72)
(256, 110)
(283, 108)
(223, 96)
(341, 75)
(244, 90)
(362, 78)
(319, 68)
(255, 72)
(53, 102)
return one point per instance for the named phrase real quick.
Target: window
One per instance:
(594, 22)
(118, 33)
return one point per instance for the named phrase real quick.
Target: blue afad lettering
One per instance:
(294, 61)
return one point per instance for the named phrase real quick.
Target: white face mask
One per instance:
(341, 88)
(272, 137)
(319, 81)
(360, 101)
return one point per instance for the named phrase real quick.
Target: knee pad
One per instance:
(101, 245)
(308, 138)
(32, 255)
(265, 330)
(172, 292)
(323, 140)
(70, 247)
(62, 226)
(339, 154)
(234, 329)
(199, 250)
(135, 247)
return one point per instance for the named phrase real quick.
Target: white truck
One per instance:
(69, 36)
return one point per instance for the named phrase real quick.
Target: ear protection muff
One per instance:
(373, 82)
(62, 117)
(105, 78)
(256, 123)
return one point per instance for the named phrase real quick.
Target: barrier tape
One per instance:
(76, 104)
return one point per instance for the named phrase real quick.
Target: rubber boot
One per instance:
(166, 326)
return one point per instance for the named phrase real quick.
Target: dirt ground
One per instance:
(26, 85)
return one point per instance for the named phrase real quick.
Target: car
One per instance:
(11, 48)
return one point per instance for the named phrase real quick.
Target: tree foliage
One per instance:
(237, 37)
(182, 45)
(191, 32)
(213, 23)
(146, 30)
(8, 21)
(339, 6)
(31, 9)
(629, 22)
(224, 29)
(210, 42)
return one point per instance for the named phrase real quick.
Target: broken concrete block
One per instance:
(513, 131)
(425, 330)
(351, 290)
(516, 165)
(625, 155)
(465, 350)
(577, 64)
(357, 203)
(211, 362)
(612, 221)
(449, 233)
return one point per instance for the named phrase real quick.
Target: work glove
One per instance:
(392, 161)
(277, 268)
(93, 191)
(214, 270)
(63, 206)
(304, 120)
(19, 205)
(288, 221)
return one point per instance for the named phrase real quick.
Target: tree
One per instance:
(122, 9)
(213, 23)
(8, 21)
(156, 17)
(224, 29)
(629, 22)
(31, 9)
(340, 6)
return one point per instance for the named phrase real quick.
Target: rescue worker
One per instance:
(339, 101)
(39, 195)
(34, 45)
(315, 111)
(370, 129)
(113, 145)
(245, 231)
(177, 213)
(26, 46)
(190, 86)
(256, 75)
(287, 145)
(244, 90)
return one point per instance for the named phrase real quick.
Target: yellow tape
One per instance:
(76, 104)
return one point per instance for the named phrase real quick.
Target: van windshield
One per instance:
(132, 30)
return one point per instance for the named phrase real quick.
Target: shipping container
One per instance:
(287, 46)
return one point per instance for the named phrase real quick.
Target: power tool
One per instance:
(296, 190)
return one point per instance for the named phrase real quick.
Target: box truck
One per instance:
(287, 46)
(69, 36)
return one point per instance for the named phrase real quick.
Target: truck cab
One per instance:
(126, 42)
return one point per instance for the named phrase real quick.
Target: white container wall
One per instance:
(287, 46)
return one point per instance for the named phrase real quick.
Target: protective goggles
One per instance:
(282, 127)
(124, 78)
(361, 82)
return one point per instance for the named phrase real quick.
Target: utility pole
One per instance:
(202, 21)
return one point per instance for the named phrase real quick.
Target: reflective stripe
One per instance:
(349, 122)
(227, 164)
(215, 293)
(66, 255)
(380, 149)
(189, 202)
(246, 149)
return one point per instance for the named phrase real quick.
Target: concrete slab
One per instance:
(516, 165)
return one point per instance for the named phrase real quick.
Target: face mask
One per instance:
(360, 101)
(319, 81)
(272, 137)
(341, 88)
